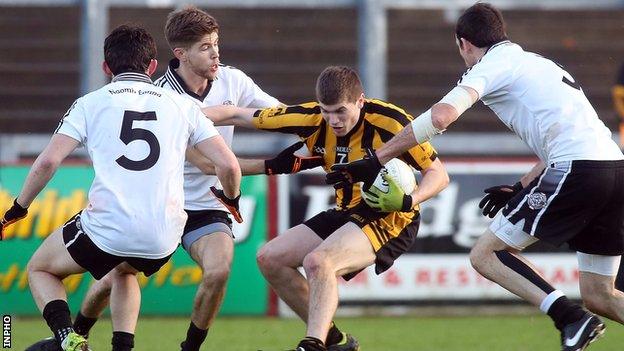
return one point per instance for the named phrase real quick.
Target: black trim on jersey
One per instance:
(387, 111)
(180, 85)
(507, 41)
(368, 135)
(320, 140)
(133, 77)
(357, 125)
(301, 131)
(347, 192)
(303, 110)
(65, 115)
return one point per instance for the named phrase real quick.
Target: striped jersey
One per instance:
(542, 103)
(136, 135)
(378, 122)
(231, 87)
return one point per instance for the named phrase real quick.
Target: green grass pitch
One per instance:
(509, 333)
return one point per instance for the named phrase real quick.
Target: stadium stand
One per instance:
(284, 49)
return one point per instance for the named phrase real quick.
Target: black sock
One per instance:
(310, 343)
(563, 312)
(122, 341)
(334, 336)
(82, 324)
(56, 314)
(194, 337)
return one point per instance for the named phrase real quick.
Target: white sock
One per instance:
(550, 299)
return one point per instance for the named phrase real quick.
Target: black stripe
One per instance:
(301, 131)
(65, 115)
(377, 233)
(386, 111)
(433, 156)
(410, 160)
(320, 140)
(368, 135)
(303, 110)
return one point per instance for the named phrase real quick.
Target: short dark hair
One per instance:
(482, 25)
(129, 48)
(338, 83)
(187, 26)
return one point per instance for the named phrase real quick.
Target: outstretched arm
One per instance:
(434, 121)
(223, 115)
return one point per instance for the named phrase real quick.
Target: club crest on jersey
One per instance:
(536, 201)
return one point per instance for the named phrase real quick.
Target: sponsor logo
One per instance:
(319, 149)
(227, 103)
(536, 201)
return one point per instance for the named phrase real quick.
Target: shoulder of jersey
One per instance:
(226, 72)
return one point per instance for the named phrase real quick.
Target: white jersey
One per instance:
(136, 135)
(539, 101)
(231, 87)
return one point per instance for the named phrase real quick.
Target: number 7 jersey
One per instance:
(136, 135)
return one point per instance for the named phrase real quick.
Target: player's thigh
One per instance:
(291, 247)
(52, 257)
(213, 250)
(503, 235)
(348, 249)
(597, 274)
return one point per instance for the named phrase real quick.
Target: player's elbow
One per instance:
(46, 164)
(442, 115)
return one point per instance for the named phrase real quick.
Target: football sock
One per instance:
(122, 341)
(82, 324)
(56, 314)
(563, 312)
(513, 262)
(194, 337)
(310, 343)
(334, 336)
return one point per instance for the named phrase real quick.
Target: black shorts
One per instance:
(576, 202)
(391, 234)
(205, 222)
(98, 262)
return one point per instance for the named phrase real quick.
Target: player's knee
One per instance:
(314, 262)
(477, 258)
(216, 276)
(597, 298)
(267, 259)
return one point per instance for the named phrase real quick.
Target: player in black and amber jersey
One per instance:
(340, 127)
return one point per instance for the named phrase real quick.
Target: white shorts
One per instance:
(512, 234)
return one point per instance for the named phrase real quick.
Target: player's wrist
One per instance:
(408, 203)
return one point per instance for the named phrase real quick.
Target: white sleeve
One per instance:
(202, 128)
(251, 95)
(487, 77)
(74, 124)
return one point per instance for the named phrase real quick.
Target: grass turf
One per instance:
(509, 333)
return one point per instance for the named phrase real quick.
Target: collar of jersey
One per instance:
(497, 44)
(133, 77)
(178, 83)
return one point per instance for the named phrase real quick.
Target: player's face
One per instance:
(342, 117)
(202, 58)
